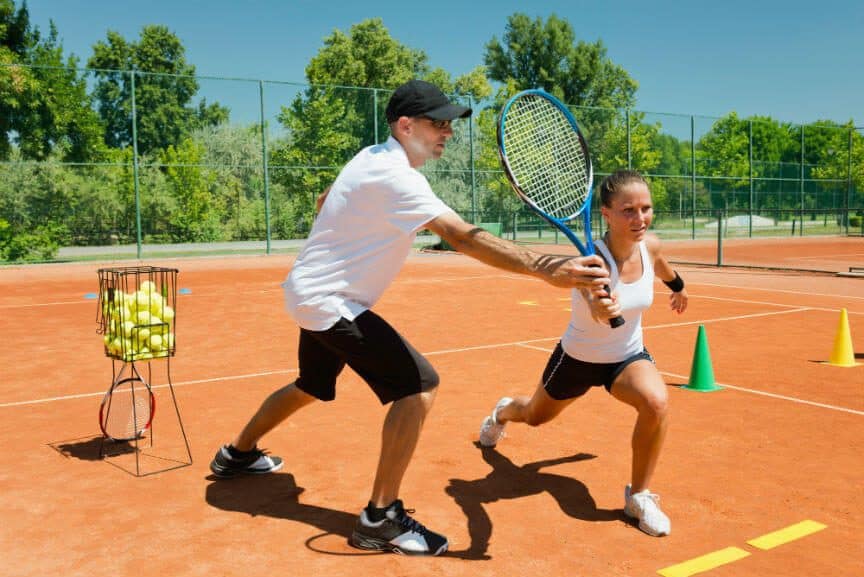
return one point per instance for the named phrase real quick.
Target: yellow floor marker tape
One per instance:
(771, 540)
(528, 303)
(704, 563)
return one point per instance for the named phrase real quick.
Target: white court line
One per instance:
(777, 290)
(94, 303)
(722, 319)
(839, 256)
(528, 344)
(54, 304)
(524, 344)
(178, 384)
(430, 354)
(776, 396)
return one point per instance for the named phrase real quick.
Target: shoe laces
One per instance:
(252, 455)
(403, 517)
(648, 502)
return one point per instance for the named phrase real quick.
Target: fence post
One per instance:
(473, 164)
(265, 164)
(750, 154)
(375, 113)
(848, 183)
(801, 228)
(135, 183)
(693, 176)
(629, 145)
(720, 218)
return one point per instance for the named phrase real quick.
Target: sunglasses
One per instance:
(439, 124)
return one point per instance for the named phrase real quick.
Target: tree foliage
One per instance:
(327, 123)
(538, 54)
(200, 178)
(44, 101)
(164, 88)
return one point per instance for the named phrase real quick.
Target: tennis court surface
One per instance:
(760, 478)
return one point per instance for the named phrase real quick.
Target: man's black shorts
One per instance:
(373, 349)
(567, 378)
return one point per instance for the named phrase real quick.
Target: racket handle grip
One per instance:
(614, 322)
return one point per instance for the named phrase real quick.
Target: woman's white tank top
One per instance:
(587, 340)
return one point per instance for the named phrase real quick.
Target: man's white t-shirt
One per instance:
(361, 237)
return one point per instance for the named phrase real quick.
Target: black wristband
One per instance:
(676, 285)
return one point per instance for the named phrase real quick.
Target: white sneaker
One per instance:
(644, 506)
(491, 430)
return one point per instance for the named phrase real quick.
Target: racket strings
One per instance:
(546, 157)
(128, 412)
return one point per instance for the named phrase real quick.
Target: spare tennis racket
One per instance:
(127, 409)
(546, 160)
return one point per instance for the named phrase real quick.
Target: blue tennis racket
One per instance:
(546, 160)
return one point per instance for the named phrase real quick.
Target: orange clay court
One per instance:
(761, 478)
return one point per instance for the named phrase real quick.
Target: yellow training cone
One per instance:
(842, 355)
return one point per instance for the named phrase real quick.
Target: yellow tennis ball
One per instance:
(155, 342)
(156, 304)
(148, 286)
(167, 313)
(127, 328)
(143, 317)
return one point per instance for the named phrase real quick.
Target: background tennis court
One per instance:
(780, 444)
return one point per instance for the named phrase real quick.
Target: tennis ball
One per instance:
(142, 300)
(156, 304)
(155, 342)
(143, 335)
(143, 317)
(148, 286)
(127, 328)
(167, 313)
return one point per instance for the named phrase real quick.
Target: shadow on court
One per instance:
(277, 496)
(87, 448)
(508, 481)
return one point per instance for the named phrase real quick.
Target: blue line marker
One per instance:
(90, 296)
(185, 291)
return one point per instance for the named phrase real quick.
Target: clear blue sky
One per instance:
(795, 61)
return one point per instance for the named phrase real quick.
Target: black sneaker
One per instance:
(398, 533)
(229, 462)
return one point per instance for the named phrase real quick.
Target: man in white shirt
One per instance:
(358, 244)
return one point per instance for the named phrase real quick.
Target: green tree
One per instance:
(328, 123)
(164, 88)
(538, 54)
(44, 101)
(15, 81)
(197, 216)
(232, 155)
(60, 113)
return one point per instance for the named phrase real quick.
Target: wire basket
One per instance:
(137, 312)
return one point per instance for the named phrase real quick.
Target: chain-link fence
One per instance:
(175, 180)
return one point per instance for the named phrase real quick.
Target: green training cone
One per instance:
(701, 373)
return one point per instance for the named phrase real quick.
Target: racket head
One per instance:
(127, 410)
(545, 155)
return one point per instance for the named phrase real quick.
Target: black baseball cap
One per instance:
(421, 98)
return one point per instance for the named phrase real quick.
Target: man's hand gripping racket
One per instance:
(547, 162)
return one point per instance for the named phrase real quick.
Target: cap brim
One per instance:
(449, 112)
